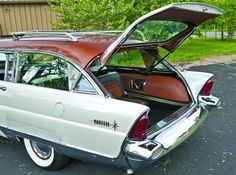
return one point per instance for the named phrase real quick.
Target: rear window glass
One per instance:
(156, 31)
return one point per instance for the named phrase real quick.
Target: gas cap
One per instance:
(59, 109)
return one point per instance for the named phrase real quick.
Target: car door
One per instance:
(6, 74)
(40, 97)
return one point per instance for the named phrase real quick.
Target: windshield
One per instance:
(156, 31)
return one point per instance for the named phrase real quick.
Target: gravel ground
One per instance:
(227, 59)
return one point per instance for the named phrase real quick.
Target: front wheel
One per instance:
(44, 155)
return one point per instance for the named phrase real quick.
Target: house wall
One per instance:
(24, 15)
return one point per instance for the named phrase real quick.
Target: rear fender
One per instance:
(196, 80)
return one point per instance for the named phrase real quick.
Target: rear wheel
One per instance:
(44, 155)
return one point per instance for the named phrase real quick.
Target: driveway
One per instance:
(210, 150)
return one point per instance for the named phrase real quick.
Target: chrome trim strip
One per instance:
(16, 67)
(6, 68)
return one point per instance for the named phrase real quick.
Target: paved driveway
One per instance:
(210, 150)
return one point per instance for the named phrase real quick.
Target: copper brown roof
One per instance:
(82, 51)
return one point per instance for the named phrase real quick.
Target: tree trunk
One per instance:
(222, 35)
(230, 32)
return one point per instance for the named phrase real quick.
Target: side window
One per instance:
(45, 70)
(50, 71)
(84, 85)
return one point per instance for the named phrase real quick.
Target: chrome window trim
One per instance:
(6, 68)
(17, 67)
(79, 91)
(84, 92)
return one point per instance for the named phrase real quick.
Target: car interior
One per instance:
(161, 89)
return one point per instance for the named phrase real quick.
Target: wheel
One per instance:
(44, 155)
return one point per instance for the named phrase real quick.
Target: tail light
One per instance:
(139, 131)
(206, 90)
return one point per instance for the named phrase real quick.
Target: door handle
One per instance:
(138, 84)
(3, 88)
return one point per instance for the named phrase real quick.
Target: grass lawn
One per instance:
(196, 49)
(191, 50)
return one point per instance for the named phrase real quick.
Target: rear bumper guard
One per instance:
(209, 101)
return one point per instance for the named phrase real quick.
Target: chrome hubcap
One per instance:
(42, 150)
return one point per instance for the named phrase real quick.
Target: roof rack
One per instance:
(71, 35)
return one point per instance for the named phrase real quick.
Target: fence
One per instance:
(218, 35)
(24, 15)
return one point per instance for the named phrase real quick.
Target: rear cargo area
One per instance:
(163, 94)
(159, 111)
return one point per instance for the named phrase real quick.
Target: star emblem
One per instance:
(115, 125)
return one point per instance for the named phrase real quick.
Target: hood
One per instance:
(166, 27)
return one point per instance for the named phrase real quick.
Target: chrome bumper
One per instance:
(168, 139)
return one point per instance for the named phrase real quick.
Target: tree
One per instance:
(118, 14)
(99, 14)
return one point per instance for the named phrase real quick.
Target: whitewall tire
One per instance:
(44, 155)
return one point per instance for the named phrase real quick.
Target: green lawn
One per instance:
(190, 50)
(196, 49)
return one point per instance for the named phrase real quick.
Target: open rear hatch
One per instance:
(166, 27)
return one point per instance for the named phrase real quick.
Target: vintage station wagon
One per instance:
(105, 96)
